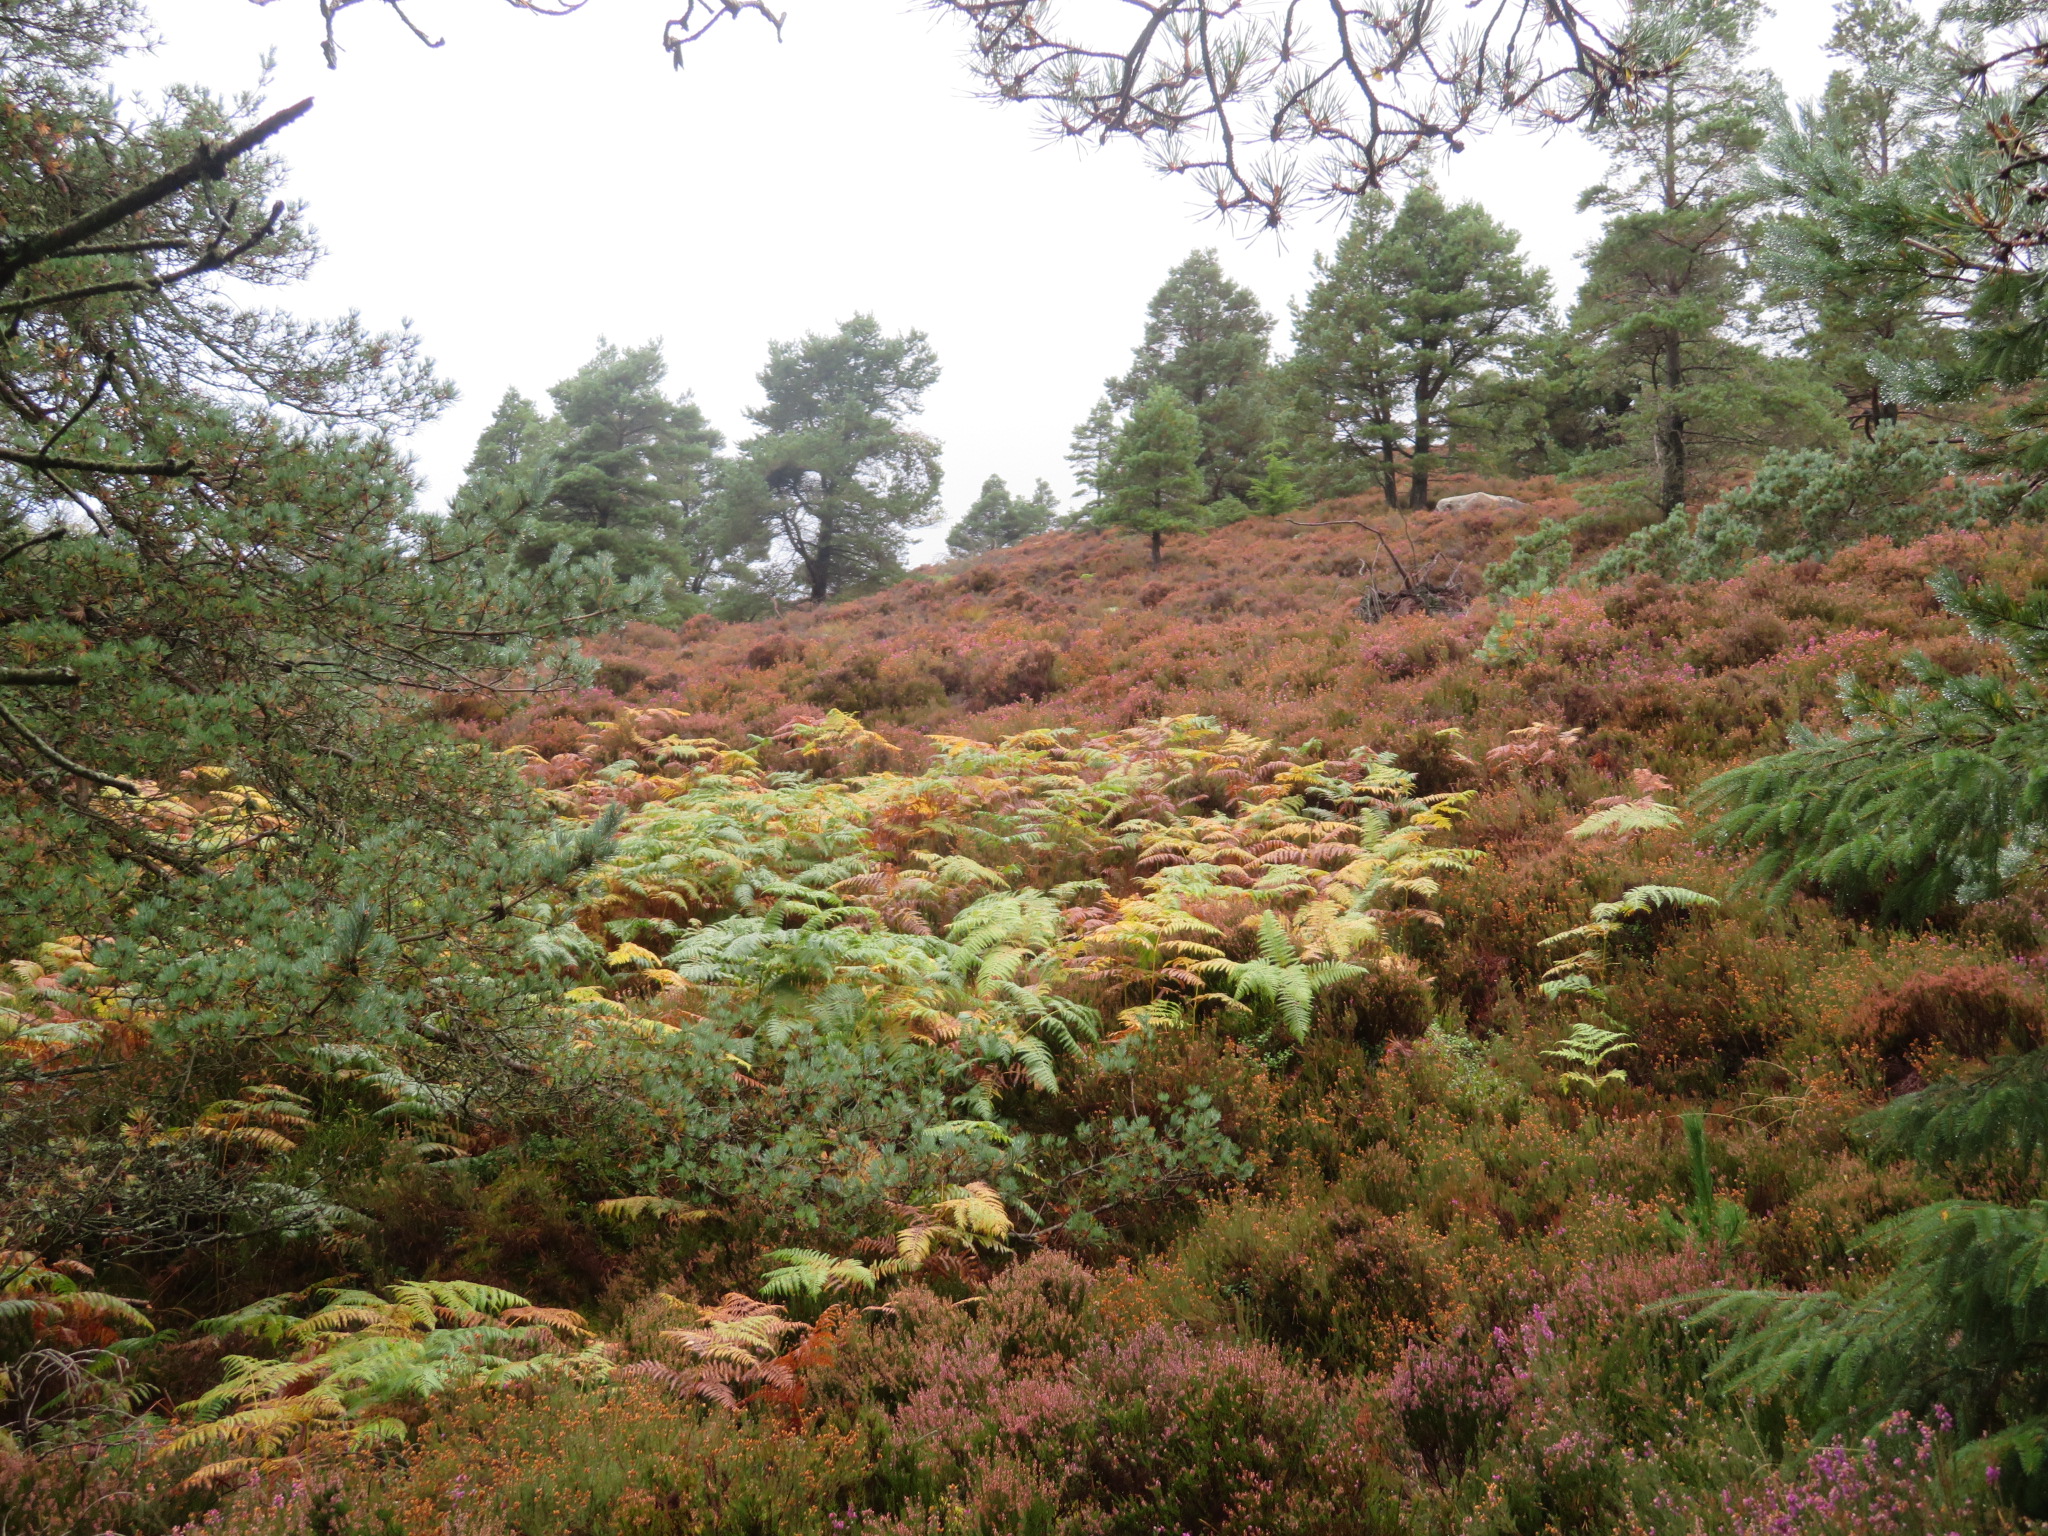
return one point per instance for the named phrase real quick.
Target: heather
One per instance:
(1458, 949)
(1106, 1127)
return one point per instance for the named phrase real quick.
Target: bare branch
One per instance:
(686, 29)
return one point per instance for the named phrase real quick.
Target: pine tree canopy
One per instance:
(627, 467)
(836, 478)
(1155, 473)
(1206, 338)
(517, 446)
(1416, 301)
(223, 613)
(998, 519)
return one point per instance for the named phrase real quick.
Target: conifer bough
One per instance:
(1938, 792)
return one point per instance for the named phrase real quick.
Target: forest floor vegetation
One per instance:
(1060, 1045)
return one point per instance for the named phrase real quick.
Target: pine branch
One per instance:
(208, 163)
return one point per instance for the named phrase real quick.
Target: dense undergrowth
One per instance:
(1059, 1046)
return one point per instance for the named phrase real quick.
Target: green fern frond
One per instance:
(807, 1272)
(1632, 819)
(637, 1207)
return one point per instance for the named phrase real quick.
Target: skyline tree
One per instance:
(1088, 453)
(628, 470)
(1344, 379)
(1668, 291)
(1207, 339)
(998, 518)
(1464, 297)
(1155, 471)
(1414, 303)
(1878, 115)
(617, 468)
(836, 479)
(517, 445)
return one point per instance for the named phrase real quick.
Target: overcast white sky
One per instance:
(538, 183)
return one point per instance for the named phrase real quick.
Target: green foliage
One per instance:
(1537, 563)
(1972, 1125)
(1680, 547)
(967, 1218)
(1934, 796)
(1586, 1052)
(516, 446)
(1932, 224)
(1661, 298)
(1629, 919)
(1278, 987)
(217, 789)
(850, 1009)
(1400, 321)
(1957, 1322)
(1205, 340)
(64, 1350)
(1876, 118)
(627, 469)
(1708, 1218)
(1629, 922)
(1276, 493)
(361, 1356)
(1665, 294)
(1806, 504)
(919, 1011)
(1155, 481)
(1631, 818)
(835, 479)
(998, 519)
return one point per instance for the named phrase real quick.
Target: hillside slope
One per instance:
(1155, 1124)
(1543, 707)
(1257, 625)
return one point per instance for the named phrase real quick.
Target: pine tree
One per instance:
(1093, 442)
(1952, 227)
(998, 519)
(1346, 379)
(1155, 471)
(516, 448)
(1956, 1320)
(1667, 285)
(1276, 493)
(1463, 297)
(1874, 119)
(1207, 340)
(223, 614)
(629, 470)
(1413, 306)
(836, 479)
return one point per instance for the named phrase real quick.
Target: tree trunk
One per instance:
(1670, 442)
(1670, 461)
(1158, 542)
(1418, 466)
(821, 571)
